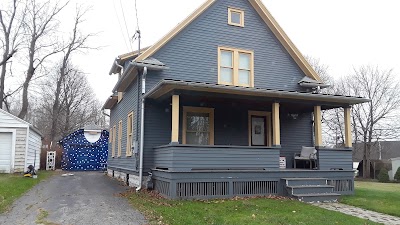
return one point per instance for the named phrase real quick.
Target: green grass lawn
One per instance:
(12, 186)
(379, 197)
(236, 211)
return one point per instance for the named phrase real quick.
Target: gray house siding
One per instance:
(192, 54)
(118, 113)
(230, 127)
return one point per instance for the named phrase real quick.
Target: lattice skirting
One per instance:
(342, 186)
(222, 189)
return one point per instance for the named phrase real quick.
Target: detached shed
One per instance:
(20, 144)
(85, 150)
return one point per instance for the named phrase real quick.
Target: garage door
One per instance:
(5, 152)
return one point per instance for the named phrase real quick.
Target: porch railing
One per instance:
(182, 158)
(335, 159)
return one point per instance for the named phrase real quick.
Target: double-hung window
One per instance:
(119, 138)
(236, 67)
(198, 126)
(129, 134)
(114, 134)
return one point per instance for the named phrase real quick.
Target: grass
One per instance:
(248, 211)
(379, 197)
(12, 186)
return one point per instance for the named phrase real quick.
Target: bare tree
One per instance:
(76, 43)
(10, 41)
(40, 25)
(374, 120)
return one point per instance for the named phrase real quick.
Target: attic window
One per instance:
(236, 17)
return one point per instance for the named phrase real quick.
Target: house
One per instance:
(381, 154)
(85, 149)
(381, 150)
(20, 144)
(211, 110)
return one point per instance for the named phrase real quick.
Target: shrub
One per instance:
(397, 175)
(383, 176)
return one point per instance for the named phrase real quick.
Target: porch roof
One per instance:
(111, 101)
(166, 86)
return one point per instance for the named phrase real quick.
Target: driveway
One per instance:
(85, 198)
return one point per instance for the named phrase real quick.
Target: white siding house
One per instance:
(20, 144)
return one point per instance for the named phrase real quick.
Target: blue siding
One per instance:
(120, 112)
(192, 54)
(230, 127)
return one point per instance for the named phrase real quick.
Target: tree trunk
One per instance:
(2, 79)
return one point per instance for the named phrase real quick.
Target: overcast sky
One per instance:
(343, 34)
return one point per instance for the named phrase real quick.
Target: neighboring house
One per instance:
(20, 144)
(85, 149)
(211, 107)
(383, 154)
(382, 150)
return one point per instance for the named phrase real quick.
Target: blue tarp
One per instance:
(81, 155)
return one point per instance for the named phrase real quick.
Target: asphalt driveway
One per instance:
(85, 198)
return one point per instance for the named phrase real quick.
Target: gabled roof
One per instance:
(21, 121)
(264, 14)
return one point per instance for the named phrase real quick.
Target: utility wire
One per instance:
(126, 26)
(120, 27)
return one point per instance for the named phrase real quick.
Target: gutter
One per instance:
(142, 130)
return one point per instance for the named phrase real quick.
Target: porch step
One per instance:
(309, 189)
(321, 197)
(304, 181)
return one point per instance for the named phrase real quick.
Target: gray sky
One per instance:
(343, 34)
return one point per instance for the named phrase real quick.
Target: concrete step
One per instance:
(304, 181)
(321, 197)
(309, 189)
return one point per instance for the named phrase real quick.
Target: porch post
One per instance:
(175, 119)
(276, 139)
(318, 126)
(348, 143)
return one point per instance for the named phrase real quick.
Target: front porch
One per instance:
(225, 144)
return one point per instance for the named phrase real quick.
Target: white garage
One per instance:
(20, 144)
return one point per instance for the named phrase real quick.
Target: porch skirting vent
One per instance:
(342, 186)
(162, 187)
(255, 188)
(194, 189)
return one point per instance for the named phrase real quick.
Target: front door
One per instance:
(258, 131)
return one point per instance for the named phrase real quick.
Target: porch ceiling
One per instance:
(167, 86)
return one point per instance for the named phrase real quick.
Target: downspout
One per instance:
(142, 129)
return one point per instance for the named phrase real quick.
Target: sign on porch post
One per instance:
(175, 119)
(347, 128)
(318, 126)
(276, 139)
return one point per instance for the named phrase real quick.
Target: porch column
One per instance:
(175, 119)
(348, 143)
(276, 139)
(318, 126)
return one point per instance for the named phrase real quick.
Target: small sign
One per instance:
(282, 162)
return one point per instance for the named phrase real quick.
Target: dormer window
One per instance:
(236, 17)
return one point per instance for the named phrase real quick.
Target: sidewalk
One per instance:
(361, 213)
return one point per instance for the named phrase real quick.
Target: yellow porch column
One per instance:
(175, 119)
(348, 143)
(276, 139)
(318, 126)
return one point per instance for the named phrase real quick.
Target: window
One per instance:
(114, 130)
(236, 67)
(198, 126)
(120, 96)
(236, 17)
(129, 134)
(119, 138)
